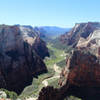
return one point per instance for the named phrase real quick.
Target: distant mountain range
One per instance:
(48, 31)
(52, 31)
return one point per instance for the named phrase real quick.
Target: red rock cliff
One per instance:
(81, 77)
(19, 61)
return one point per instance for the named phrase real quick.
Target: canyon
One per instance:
(24, 56)
(81, 76)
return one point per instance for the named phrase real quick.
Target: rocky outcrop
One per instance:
(41, 48)
(92, 43)
(49, 93)
(84, 36)
(81, 77)
(80, 30)
(20, 59)
(39, 45)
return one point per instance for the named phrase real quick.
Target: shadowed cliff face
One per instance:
(49, 93)
(41, 48)
(80, 78)
(19, 61)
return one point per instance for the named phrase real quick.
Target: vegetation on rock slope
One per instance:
(56, 55)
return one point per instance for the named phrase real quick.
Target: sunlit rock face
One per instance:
(33, 37)
(83, 35)
(92, 43)
(20, 56)
(81, 76)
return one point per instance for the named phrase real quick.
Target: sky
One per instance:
(62, 13)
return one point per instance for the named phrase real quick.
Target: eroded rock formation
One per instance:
(81, 31)
(20, 57)
(80, 78)
(84, 36)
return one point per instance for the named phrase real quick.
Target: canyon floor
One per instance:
(45, 82)
(48, 79)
